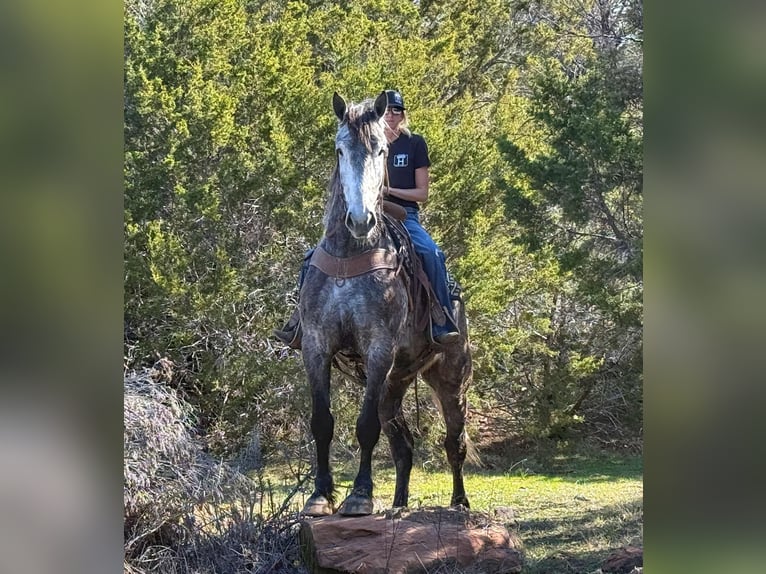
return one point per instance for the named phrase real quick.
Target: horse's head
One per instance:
(361, 149)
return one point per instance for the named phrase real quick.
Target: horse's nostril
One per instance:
(362, 226)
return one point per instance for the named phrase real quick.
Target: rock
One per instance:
(410, 541)
(624, 561)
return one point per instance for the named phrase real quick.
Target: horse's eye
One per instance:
(382, 151)
(339, 152)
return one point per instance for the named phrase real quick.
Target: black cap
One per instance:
(395, 99)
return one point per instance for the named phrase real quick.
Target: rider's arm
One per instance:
(419, 193)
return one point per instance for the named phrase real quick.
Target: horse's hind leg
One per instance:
(322, 499)
(450, 380)
(399, 437)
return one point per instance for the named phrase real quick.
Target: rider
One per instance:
(408, 164)
(408, 179)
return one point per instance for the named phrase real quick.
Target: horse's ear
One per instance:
(338, 105)
(381, 102)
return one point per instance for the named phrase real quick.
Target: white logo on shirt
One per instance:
(400, 160)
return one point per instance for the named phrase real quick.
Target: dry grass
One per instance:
(185, 511)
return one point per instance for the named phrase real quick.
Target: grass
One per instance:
(570, 512)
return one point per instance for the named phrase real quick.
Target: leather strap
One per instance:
(345, 267)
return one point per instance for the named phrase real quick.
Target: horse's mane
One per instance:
(335, 197)
(362, 124)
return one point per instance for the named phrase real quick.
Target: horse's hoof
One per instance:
(356, 505)
(317, 506)
(460, 504)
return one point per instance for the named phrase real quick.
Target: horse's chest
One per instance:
(354, 299)
(347, 297)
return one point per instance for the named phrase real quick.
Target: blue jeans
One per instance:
(433, 264)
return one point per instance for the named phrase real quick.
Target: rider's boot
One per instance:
(292, 333)
(445, 334)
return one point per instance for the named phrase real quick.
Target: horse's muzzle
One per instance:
(360, 228)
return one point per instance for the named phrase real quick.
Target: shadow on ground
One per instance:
(607, 528)
(577, 463)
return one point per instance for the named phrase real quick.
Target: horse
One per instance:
(365, 320)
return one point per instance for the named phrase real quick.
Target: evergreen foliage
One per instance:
(533, 115)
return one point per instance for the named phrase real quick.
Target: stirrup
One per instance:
(446, 338)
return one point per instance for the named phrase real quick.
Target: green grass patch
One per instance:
(569, 517)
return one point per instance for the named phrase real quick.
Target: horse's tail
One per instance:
(471, 452)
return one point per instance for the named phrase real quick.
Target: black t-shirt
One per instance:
(405, 155)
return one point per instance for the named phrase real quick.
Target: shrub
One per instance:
(184, 510)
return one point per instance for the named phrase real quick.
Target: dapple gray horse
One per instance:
(365, 321)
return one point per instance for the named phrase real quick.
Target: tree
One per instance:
(576, 190)
(532, 112)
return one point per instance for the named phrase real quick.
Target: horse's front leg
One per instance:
(322, 500)
(359, 502)
(399, 436)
